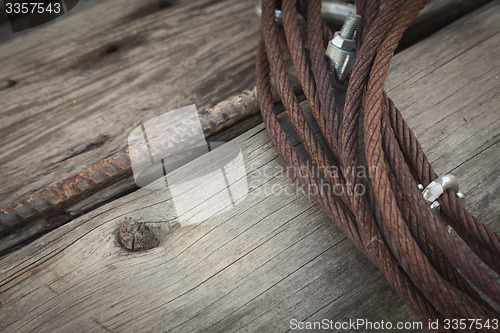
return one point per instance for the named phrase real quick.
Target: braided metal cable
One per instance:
(416, 263)
(435, 255)
(390, 222)
(343, 220)
(479, 237)
(398, 279)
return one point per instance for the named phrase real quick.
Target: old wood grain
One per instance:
(77, 95)
(271, 258)
(73, 89)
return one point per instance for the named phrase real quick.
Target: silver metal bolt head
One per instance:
(342, 43)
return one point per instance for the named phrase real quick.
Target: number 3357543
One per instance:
(32, 8)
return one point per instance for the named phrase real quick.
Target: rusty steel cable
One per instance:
(390, 222)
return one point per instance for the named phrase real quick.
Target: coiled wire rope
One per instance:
(390, 222)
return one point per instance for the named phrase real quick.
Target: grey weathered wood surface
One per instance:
(73, 89)
(271, 258)
(77, 95)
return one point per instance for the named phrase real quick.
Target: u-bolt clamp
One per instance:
(341, 52)
(437, 187)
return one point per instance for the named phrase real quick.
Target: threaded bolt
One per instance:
(350, 25)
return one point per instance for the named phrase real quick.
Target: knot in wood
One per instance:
(136, 236)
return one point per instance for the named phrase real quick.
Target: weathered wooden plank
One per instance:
(273, 257)
(69, 99)
(6, 31)
(435, 16)
(77, 95)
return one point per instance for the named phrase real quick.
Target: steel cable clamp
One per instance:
(341, 52)
(437, 187)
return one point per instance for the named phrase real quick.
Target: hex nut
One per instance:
(342, 43)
